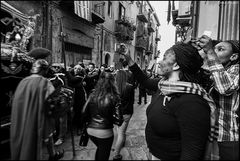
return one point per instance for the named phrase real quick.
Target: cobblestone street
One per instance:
(135, 146)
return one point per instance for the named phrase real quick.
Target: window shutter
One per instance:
(229, 23)
(82, 9)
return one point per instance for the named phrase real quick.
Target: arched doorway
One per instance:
(106, 60)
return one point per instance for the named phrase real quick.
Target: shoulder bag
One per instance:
(84, 137)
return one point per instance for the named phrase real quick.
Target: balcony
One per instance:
(141, 43)
(183, 21)
(158, 37)
(130, 33)
(143, 15)
(98, 12)
(124, 30)
(151, 27)
(149, 49)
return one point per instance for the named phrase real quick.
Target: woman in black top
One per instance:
(76, 81)
(178, 118)
(126, 91)
(102, 104)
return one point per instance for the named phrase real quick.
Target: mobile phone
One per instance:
(188, 35)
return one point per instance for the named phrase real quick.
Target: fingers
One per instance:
(205, 37)
(195, 43)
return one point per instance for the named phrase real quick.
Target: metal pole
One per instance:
(101, 51)
(64, 61)
(219, 19)
(63, 44)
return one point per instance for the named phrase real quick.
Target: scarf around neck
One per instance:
(171, 87)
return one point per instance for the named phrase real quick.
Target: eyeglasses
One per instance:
(56, 67)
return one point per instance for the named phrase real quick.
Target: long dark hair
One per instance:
(105, 87)
(121, 79)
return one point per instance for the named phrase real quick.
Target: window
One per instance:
(110, 9)
(121, 14)
(81, 8)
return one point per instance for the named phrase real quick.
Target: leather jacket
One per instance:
(100, 114)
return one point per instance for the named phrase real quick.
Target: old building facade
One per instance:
(91, 31)
(123, 25)
(221, 18)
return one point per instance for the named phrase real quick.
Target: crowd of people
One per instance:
(184, 113)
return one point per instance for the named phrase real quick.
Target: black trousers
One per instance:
(142, 93)
(104, 146)
(229, 150)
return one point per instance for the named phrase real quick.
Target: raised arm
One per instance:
(226, 79)
(149, 83)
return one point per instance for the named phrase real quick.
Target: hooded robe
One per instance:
(29, 126)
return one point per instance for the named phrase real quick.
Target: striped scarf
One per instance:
(170, 87)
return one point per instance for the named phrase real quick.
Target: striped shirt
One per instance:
(226, 96)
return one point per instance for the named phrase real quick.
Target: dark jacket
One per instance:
(91, 80)
(131, 79)
(127, 98)
(100, 114)
(79, 94)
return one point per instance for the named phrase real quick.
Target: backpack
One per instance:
(59, 102)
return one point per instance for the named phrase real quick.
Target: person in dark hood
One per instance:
(30, 126)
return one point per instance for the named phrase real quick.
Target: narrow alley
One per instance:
(135, 146)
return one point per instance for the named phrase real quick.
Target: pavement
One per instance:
(135, 145)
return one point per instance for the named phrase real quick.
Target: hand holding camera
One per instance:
(124, 51)
(204, 42)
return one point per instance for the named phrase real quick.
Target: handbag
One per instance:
(84, 137)
(59, 102)
(117, 115)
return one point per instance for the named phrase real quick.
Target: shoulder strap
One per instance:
(85, 105)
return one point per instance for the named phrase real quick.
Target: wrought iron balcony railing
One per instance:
(158, 37)
(143, 14)
(141, 43)
(124, 30)
(149, 49)
(151, 26)
(98, 12)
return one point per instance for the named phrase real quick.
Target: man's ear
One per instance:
(175, 66)
(234, 56)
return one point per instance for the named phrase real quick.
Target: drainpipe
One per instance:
(101, 51)
(219, 19)
(50, 37)
(196, 15)
(99, 46)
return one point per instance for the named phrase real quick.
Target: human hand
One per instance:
(195, 43)
(126, 55)
(205, 43)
